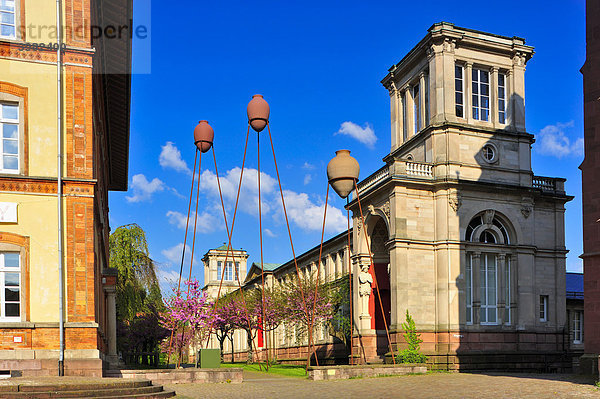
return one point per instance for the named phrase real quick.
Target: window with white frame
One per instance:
(228, 272)
(416, 109)
(8, 19)
(469, 290)
(237, 270)
(480, 92)
(426, 89)
(9, 125)
(543, 308)
(10, 282)
(507, 293)
(219, 270)
(488, 313)
(404, 119)
(578, 327)
(459, 91)
(501, 98)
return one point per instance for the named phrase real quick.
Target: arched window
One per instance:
(487, 234)
(487, 223)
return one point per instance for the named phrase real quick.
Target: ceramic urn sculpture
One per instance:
(342, 172)
(258, 112)
(203, 136)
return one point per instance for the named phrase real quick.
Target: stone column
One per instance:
(394, 116)
(468, 91)
(518, 91)
(111, 324)
(501, 284)
(422, 91)
(410, 119)
(476, 281)
(494, 96)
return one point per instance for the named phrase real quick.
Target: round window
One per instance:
(489, 152)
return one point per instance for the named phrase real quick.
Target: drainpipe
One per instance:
(61, 322)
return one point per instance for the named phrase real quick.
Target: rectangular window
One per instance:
(544, 308)
(501, 98)
(481, 94)
(488, 312)
(237, 270)
(229, 271)
(9, 144)
(507, 293)
(219, 270)
(416, 109)
(459, 91)
(426, 122)
(469, 290)
(577, 327)
(404, 119)
(10, 284)
(8, 21)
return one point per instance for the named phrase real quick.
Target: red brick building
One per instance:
(590, 171)
(54, 215)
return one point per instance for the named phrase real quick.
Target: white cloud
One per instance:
(301, 210)
(170, 157)
(206, 222)
(309, 216)
(143, 189)
(553, 141)
(365, 135)
(308, 166)
(269, 233)
(173, 254)
(167, 279)
(307, 178)
(249, 192)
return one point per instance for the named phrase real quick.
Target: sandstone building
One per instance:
(463, 234)
(54, 215)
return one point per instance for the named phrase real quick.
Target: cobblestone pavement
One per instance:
(437, 385)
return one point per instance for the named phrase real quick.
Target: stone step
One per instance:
(110, 388)
(84, 393)
(156, 395)
(111, 384)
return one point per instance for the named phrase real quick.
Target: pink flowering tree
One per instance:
(247, 313)
(223, 322)
(319, 303)
(186, 315)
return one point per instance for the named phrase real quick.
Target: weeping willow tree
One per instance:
(139, 300)
(137, 285)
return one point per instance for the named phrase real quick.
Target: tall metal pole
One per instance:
(61, 321)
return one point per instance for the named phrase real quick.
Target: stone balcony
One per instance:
(415, 171)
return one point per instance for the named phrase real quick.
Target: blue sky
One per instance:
(319, 65)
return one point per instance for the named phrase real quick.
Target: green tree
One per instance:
(137, 285)
(139, 299)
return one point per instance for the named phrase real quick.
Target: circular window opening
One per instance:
(489, 152)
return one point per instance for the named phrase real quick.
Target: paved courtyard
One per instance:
(438, 385)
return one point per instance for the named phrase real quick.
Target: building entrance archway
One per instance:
(381, 283)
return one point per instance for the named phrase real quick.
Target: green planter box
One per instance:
(209, 358)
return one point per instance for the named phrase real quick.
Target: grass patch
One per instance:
(287, 370)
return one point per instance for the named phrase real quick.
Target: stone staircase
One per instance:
(105, 388)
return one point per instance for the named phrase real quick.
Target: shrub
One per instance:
(413, 339)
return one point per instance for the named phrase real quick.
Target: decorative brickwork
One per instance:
(79, 122)
(77, 22)
(80, 259)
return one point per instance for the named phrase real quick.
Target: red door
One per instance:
(381, 279)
